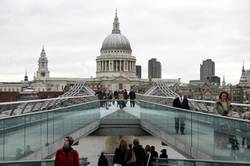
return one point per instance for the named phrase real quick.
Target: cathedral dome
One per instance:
(116, 41)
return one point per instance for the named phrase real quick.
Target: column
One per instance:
(103, 67)
(126, 66)
(133, 68)
(120, 65)
(117, 65)
(110, 65)
(107, 66)
(100, 66)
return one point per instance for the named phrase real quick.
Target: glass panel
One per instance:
(1, 139)
(50, 127)
(204, 135)
(14, 138)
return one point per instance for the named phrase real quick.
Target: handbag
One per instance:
(132, 159)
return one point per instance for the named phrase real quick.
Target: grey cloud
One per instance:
(172, 31)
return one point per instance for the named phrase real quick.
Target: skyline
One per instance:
(179, 34)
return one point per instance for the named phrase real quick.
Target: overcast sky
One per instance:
(179, 33)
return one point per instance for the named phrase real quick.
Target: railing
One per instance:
(195, 162)
(198, 105)
(83, 162)
(21, 107)
(205, 136)
(42, 132)
(185, 162)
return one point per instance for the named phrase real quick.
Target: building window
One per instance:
(120, 86)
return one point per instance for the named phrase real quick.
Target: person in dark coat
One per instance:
(164, 154)
(154, 154)
(132, 98)
(67, 155)
(180, 102)
(103, 161)
(130, 156)
(139, 153)
(121, 153)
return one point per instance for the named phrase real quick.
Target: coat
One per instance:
(177, 103)
(219, 108)
(103, 161)
(67, 159)
(119, 157)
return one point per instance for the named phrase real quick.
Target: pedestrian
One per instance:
(131, 158)
(139, 153)
(180, 102)
(223, 106)
(154, 154)
(164, 155)
(132, 98)
(121, 153)
(67, 156)
(125, 97)
(103, 161)
(148, 155)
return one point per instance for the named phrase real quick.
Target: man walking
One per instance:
(180, 102)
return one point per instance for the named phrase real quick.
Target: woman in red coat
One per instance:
(67, 156)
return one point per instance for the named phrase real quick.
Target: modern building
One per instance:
(207, 69)
(154, 68)
(138, 71)
(214, 80)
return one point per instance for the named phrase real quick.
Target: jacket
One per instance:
(178, 104)
(67, 159)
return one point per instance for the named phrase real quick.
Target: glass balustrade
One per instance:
(210, 136)
(22, 135)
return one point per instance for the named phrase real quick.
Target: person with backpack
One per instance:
(103, 161)
(67, 156)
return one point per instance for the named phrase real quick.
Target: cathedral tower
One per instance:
(42, 72)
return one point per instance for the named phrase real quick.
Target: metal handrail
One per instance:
(45, 111)
(202, 101)
(83, 161)
(160, 161)
(41, 100)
